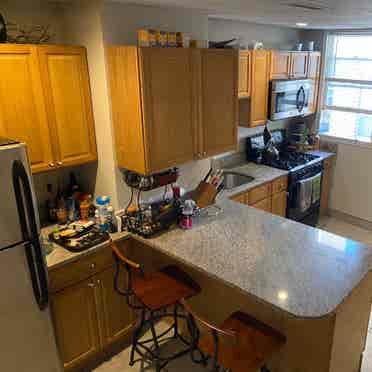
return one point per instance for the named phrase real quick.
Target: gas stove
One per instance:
(291, 161)
(302, 206)
(288, 160)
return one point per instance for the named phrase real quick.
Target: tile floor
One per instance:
(119, 363)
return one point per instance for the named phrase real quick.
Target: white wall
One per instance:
(351, 191)
(273, 37)
(121, 21)
(36, 12)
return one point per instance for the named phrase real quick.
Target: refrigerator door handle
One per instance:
(30, 234)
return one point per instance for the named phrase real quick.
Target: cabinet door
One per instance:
(280, 65)
(244, 89)
(264, 205)
(74, 311)
(65, 78)
(279, 204)
(326, 186)
(116, 317)
(22, 109)
(299, 64)
(241, 198)
(219, 101)
(313, 73)
(260, 87)
(167, 86)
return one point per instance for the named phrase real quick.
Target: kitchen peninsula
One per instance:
(313, 286)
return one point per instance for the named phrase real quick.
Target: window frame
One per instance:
(323, 95)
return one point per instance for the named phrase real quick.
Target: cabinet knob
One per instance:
(59, 162)
(52, 165)
(91, 285)
(92, 265)
(204, 153)
(98, 282)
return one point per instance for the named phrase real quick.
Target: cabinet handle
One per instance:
(92, 265)
(52, 165)
(59, 163)
(91, 285)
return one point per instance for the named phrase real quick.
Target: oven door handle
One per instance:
(300, 104)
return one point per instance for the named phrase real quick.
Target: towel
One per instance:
(305, 194)
(317, 182)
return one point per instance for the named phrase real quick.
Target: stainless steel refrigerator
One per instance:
(27, 342)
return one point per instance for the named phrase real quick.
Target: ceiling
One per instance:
(318, 14)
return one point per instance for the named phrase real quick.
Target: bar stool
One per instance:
(152, 295)
(241, 344)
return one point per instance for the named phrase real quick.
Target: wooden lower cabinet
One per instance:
(89, 315)
(326, 185)
(116, 316)
(241, 198)
(279, 204)
(264, 205)
(76, 323)
(270, 197)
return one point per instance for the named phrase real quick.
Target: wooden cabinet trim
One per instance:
(280, 184)
(245, 74)
(279, 204)
(260, 193)
(84, 267)
(264, 205)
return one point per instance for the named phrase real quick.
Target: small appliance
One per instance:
(289, 98)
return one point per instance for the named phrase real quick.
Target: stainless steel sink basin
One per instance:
(235, 179)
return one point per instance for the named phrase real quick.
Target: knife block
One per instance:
(204, 195)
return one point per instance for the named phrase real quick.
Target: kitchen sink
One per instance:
(235, 179)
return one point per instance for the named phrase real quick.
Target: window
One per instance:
(346, 111)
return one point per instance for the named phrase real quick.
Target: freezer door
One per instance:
(10, 230)
(27, 342)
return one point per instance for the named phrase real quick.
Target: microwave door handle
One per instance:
(300, 104)
(30, 234)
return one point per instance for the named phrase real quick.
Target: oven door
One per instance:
(304, 199)
(289, 98)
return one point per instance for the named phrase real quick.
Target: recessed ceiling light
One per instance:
(301, 24)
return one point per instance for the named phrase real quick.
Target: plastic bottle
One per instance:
(103, 203)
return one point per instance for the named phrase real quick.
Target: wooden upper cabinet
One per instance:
(170, 106)
(218, 101)
(167, 87)
(22, 109)
(299, 64)
(244, 86)
(65, 79)
(280, 65)
(313, 73)
(260, 87)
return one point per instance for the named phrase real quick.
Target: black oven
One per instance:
(289, 98)
(304, 192)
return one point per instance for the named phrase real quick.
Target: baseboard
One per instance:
(367, 225)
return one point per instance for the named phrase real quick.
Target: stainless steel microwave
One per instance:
(289, 98)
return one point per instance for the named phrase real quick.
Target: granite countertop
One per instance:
(301, 270)
(304, 271)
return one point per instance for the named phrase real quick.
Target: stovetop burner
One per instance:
(291, 160)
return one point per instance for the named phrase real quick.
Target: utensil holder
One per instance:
(204, 195)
